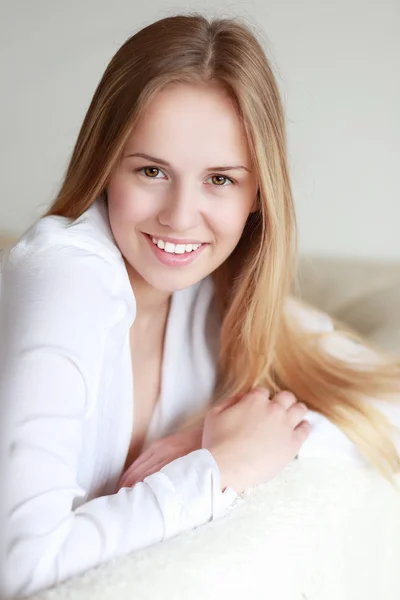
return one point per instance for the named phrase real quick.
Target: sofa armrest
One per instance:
(364, 294)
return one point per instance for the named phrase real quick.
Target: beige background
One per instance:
(337, 66)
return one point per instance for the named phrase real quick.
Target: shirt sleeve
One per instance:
(56, 310)
(326, 439)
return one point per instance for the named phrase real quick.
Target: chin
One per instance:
(172, 282)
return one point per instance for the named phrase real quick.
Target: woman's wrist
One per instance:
(219, 460)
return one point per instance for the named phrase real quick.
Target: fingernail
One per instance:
(264, 390)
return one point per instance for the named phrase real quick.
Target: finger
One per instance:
(128, 481)
(164, 455)
(296, 413)
(165, 450)
(126, 477)
(155, 468)
(160, 453)
(144, 457)
(140, 474)
(302, 431)
(263, 391)
(133, 475)
(286, 399)
(226, 403)
(123, 482)
(145, 465)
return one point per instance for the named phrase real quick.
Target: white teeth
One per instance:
(170, 248)
(175, 248)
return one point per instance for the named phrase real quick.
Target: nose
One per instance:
(180, 211)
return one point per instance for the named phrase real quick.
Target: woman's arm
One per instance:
(160, 453)
(56, 310)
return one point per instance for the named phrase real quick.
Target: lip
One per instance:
(173, 260)
(174, 240)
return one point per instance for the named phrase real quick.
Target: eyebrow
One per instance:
(164, 162)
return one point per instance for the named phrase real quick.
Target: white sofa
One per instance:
(319, 531)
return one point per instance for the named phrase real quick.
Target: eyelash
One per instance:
(232, 182)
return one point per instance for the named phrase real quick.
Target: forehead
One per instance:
(191, 122)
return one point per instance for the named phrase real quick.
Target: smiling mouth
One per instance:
(175, 255)
(171, 248)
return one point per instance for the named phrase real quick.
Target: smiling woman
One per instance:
(147, 317)
(181, 201)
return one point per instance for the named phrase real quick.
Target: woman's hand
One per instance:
(160, 453)
(253, 439)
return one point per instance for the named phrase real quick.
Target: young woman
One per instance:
(154, 364)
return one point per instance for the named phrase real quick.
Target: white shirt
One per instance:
(66, 396)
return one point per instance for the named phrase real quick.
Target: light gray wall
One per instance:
(337, 64)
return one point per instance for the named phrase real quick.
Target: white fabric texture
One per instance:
(321, 530)
(66, 394)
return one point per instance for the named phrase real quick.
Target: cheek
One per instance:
(127, 205)
(228, 222)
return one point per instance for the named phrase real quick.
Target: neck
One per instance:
(150, 302)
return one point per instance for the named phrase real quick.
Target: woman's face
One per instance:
(179, 200)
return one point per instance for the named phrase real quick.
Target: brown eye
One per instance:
(150, 171)
(221, 180)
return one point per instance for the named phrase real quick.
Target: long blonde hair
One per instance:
(261, 343)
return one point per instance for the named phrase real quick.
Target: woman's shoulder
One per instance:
(55, 236)
(58, 257)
